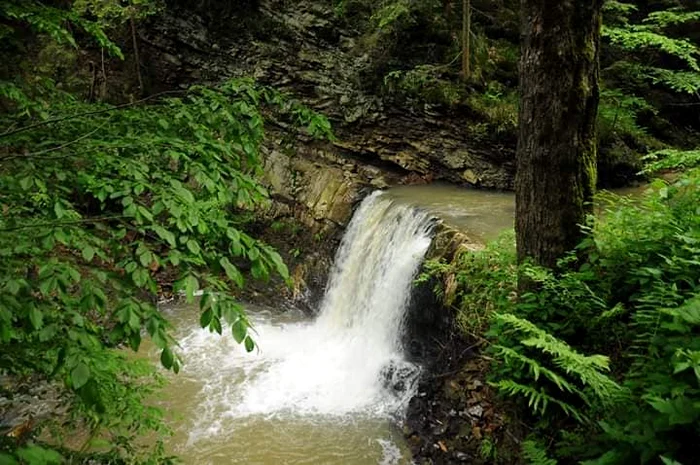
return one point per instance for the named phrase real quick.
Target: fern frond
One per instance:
(535, 455)
(671, 17)
(671, 159)
(638, 37)
(587, 369)
(613, 6)
(535, 369)
(537, 399)
(687, 82)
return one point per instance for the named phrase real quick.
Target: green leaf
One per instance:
(253, 254)
(165, 235)
(88, 253)
(167, 358)
(279, 265)
(668, 461)
(174, 257)
(13, 286)
(47, 333)
(249, 344)
(135, 340)
(239, 329)
(145, 212)
(80, 375)
(680, 411)
(206, 301)
(59, 210)
(232, 272)
(191, 286)
(47, 286)
(216, 325)
(205, 318)
(6, 459)
(193, 246)
(145, 258)
(26, 183)
(140, 277)
(36, 317)
(35, 455)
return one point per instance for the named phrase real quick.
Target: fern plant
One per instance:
(556, 374)
(535, 454)
(671, 159)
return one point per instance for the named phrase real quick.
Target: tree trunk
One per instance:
(556, 155)
(466, 40)
(137, 58)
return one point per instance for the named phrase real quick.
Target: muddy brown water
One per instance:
(481, 214)
(205, 404)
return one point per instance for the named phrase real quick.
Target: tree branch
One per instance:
(53, 149)
(87, 113)
(63, 223)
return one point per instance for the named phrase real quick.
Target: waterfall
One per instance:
(349, 360)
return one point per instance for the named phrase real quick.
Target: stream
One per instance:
(329, 390)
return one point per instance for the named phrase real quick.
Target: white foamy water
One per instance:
(346, 364)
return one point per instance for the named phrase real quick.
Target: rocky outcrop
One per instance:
(455, 416)
(303, 48)
(428, 319)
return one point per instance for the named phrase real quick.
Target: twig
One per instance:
(137, 59)
(63, 223)
(52, 149)
(87, 113)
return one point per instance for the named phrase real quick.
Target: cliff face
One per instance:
(303, 48)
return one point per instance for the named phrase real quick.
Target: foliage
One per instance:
(102, 208)
(650, 62)
(649, 77)
(498, 106)
(425, 82)
(565, 372)
(631, 295)
(618, 116)
(476, 282)
(535, 455)
(672, 159)
(98, 204)
(91, 16)
(650, 33)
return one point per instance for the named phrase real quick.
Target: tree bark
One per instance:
(556, 171)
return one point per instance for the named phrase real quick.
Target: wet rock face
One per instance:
(428, 319)
(400, 377)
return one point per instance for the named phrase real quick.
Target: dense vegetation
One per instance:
(110, 199)
(650, 80)
(603, 355)
(104, 208)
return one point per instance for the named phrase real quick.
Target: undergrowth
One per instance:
(603, 354)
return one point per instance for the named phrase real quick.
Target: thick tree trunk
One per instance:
(555, 178)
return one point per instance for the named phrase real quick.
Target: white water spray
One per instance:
(339, 363)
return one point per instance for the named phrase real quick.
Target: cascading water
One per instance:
(347, 363)
(334, 365)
